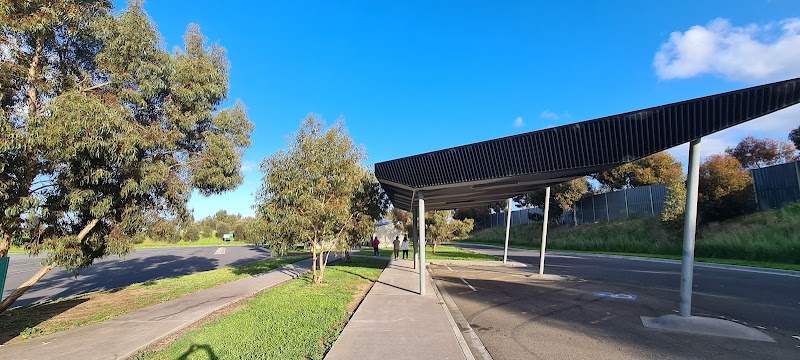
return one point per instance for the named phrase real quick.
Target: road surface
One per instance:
(518, 317)
(114, 272)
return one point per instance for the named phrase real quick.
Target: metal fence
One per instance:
(617, 205)
(776, 185)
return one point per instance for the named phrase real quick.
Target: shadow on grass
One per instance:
(15, 321)
(195, 348)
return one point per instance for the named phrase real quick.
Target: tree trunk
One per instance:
(5, 245)
(7, 302)
(323, 263)
(33, 77)
(574, 217)
(433, 247)
(314, 261)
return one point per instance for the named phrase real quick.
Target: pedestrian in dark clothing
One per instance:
(396, 244)
(375, 243)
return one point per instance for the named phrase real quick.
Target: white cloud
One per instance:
(518, 122)
(752, 53)
(548, 114)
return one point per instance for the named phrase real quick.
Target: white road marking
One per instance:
(220, 251)
(761, 327)
(795, 336)
(470, 286)
(448, 268)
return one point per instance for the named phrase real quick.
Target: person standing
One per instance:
(375, 243)
(396, 244)
(404, 247)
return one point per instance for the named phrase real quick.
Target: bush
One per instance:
(222, 229)
(192, 233)
(725, 190)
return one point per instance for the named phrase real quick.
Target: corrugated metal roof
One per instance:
(489, 171)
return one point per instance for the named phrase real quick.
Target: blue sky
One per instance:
(416, 76)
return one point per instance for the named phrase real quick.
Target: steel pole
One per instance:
(544, 229)
(508, 228)
(421, 222)
(689, 229)
(414, 237)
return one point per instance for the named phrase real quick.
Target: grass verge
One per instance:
(443, 252)
(297, 320)
(64, 314)
(751, 263)
(206, 241)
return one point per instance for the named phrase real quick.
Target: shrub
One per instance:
(192, 233)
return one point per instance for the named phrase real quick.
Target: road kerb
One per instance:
(469, 343)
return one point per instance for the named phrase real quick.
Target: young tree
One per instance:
(754, 153)
(121, 133)
(655, 169)
(440, 226)
(480, 216)
(725, 189)
(563, 197)
(568, 193)
(309, 190)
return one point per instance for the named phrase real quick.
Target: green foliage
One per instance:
(480, 216)
(105, 131)
(317, 192)
(292, 321)
(654, 169)
(725, 190)
(563, 197)
(769, 236)
(440, 226)
(222, 229)
(754, 153)
(164, 230)
(192, 233)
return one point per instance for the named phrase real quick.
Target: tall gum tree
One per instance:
(126, 145)
(317, 192)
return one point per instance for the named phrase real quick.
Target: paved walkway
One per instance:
(122, 336)
(395, 322)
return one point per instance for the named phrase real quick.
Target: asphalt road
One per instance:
(518, 317)
(114, 272)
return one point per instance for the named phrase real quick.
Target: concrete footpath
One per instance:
(122, 336)
(395, 322)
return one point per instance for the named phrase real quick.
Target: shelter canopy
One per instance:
(490, 171)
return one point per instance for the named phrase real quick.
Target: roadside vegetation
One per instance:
(764, 239)
(47, 318)
(443, 252)
(297, 320)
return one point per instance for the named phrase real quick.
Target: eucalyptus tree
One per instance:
(115, 134)
(316, 191)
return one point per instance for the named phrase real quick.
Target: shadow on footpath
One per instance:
(14, 322)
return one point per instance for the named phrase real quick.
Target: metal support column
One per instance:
(421, 222)
(689, 229)
(414, 236)
(544, 229)
(508, 228)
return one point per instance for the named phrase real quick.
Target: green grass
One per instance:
(206, 241)
(91, 308)
(443, 252)
(765, 239)
(298, 320)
